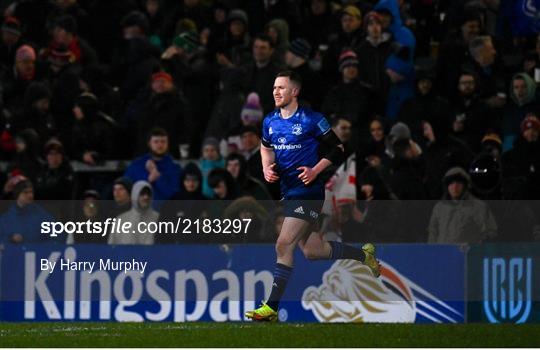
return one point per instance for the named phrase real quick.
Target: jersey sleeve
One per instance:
(322, 126)
(266, 140)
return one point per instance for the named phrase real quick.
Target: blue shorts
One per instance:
(307, 208)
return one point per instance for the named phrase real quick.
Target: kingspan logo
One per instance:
(182, 295)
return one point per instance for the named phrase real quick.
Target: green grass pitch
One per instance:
(265, 335)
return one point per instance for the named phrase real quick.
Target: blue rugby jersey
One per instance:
(295, 144)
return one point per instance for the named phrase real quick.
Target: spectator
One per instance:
(222, 184)
(92, 79)
(26, 160)
(188, 203)
(406, 179)
(523, 160)
(278, 31)
(157, 167)
(373, 53)
(141, 211)
(349, 36)
(17, 80)
(233, 50)
(454, 51)
(296, 58)
(351, 98)
(319, 22)
(470, 118)
(121, 196)
(425, 103)
(460, 217)
(373, 153)
(342, 127)
(247, 208)
(35, 114)
(261, 73)
(251, 148)
(92, 211)
(194, 10)
(11, 40)
(166, 108)
(211, 159)
(399, 65)
(93, 138)
(56, 179)
(522, 102)
(246, 184)
(21, 223)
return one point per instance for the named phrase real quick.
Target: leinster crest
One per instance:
(297, 129)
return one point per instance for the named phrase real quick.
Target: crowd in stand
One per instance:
(431, 99)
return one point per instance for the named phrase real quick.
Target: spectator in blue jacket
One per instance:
(400, 64)
(157, 167)
(21, 223)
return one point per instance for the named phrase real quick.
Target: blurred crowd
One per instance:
(435, 101)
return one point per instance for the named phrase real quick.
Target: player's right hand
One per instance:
(270, 174)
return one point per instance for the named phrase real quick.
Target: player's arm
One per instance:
(268, 162)
(332, 156)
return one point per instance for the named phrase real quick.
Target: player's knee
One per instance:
(310, 253)
(283, 247)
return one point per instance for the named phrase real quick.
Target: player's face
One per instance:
(284, 92)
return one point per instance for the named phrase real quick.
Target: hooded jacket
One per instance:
(466, 220)
(401, 60)
(136, 215)
(25, 221)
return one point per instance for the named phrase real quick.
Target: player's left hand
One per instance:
(307, 174)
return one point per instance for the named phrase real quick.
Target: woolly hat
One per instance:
(162, 75)
(25, 53)
(237, 14)
(211, 141)
(125, 182)
(530, 122)
(188, 41)
(352, 11)
(91, 194)
(400, 131)
(21, 183)
(54, 145)
(301, 48)
(12, 25)
(252, 112)
(347, 58)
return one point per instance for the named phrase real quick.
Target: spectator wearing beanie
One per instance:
(313, 86)
(21, 223)
(166, 108)
(375, 49)
(252, 112)
(91, 209)
(352, 98)
(56, 179)
(233, 50)
(225, 118)
(121, 195)
(211, 159)
(261, 72)
(11, 40)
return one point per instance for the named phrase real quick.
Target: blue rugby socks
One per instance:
(281, 277)
(345, 251)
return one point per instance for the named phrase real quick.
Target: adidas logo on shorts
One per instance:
(299, 210)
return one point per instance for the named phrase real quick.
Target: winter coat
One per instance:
(55, 184)
(466, 220)
(136, 215)
(401, 60)
(372, 61)
(166, 185)
(25, 221)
